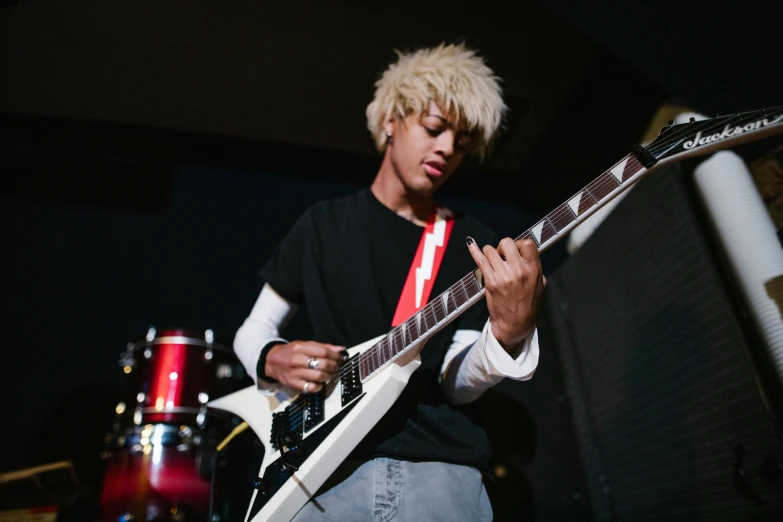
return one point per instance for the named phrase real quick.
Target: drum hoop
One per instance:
(174, 409)
(179, 339)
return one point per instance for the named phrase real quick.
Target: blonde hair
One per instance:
(452, 76)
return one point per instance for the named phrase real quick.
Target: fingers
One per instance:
(301, 360)
(528, 250)
(494, 258)
(312, 387)
(320, 350)
(307, 374)
(509, 251)
(478, 255)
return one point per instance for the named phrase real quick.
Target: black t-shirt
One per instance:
(346, 260)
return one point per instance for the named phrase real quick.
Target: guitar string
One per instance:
(601, 182)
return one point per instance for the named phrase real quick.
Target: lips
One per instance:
(434, 168)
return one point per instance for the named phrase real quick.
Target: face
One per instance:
(426, 149)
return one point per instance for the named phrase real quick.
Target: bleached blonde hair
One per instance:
(455, 78)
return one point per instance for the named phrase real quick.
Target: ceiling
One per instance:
(299, 73)
(291, 79)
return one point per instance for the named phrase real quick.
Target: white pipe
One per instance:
(748, 237)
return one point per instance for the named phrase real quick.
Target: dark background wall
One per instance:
(152, 157)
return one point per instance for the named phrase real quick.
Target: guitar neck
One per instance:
(674, 143)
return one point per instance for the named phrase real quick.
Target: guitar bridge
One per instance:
(287, 429)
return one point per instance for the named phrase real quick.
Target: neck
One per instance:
(389, 189)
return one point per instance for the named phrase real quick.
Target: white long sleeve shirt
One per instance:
(474, 362)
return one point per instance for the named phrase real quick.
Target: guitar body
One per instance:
(282, 492)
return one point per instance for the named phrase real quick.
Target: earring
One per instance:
(389, 139)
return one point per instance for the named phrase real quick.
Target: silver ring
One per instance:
(304, 388)
(312, 363)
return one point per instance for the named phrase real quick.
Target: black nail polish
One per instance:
(469, 240)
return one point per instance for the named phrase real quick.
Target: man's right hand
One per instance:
(301, 362)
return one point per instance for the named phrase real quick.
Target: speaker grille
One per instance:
(664, 394)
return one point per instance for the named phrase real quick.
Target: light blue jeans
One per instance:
(385, 489)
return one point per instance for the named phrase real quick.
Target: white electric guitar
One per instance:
(306, 436)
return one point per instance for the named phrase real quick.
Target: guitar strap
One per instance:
(426, 263)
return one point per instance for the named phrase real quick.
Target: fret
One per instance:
(581, 203)
(470, 286)
(460, 297)
(525, 235)
(602, 186)
(413, 329)
(454, 305)
(632, 168)
(460, 294)
(561, 217)
(363, 366)
(438, 312)
(543, 231)
(384, 347)
(397, 343)
(426, 318)
(444, 298)
(617, 170)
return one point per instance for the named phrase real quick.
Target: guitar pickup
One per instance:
(351, 382)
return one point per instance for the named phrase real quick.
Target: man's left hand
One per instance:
(514, 285)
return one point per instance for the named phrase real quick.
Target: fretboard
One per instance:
(446, 307)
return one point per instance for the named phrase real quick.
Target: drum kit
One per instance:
(160, 456)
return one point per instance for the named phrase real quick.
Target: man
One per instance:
(348, 260)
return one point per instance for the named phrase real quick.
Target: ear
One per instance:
(390, 124)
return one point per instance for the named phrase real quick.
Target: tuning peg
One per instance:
(693, 119)
(671, 122)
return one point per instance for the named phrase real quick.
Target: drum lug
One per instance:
(151, 332)
(127, 360)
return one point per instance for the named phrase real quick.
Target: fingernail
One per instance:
(469, 240)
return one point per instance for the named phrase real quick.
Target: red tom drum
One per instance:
(173, 373)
